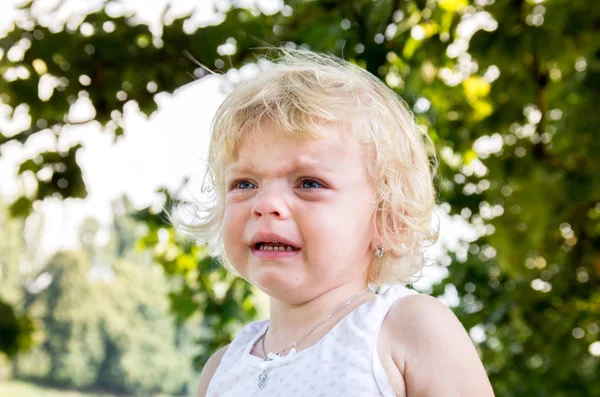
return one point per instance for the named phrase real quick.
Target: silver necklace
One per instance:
(264, 375)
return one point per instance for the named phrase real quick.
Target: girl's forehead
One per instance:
(325, 135)
(326, 148)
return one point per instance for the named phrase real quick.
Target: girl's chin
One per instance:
(274, 280)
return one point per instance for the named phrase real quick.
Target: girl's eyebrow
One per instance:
(302, 164)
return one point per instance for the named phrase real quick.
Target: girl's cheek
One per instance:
(228, 227)
(229, 235)
(234, 221)
(233, 211)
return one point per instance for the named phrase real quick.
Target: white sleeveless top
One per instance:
(343, 363)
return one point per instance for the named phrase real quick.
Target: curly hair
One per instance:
(299, 91)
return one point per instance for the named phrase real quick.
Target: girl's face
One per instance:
(314, 196)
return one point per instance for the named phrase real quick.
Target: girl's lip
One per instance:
(273, 254)
(268, 237)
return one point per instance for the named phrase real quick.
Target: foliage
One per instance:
(16, 328)
(102, 322)
(96, 332)
(508, 92)
(15, 331)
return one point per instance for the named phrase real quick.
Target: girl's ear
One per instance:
(377, 239)
(376, 235)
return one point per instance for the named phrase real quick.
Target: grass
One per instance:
(13, 388)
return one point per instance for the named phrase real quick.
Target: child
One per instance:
(324, 190)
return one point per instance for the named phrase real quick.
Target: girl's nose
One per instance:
(269, 202)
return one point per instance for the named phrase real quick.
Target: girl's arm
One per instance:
(433, 352)
(209, 370)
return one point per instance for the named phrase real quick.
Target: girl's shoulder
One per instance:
(418, 321)
(404, 320)
(209, 370)
(228, 353)
(426, 337)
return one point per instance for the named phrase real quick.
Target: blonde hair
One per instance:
(302, 90)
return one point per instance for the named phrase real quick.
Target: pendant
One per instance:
(264, 374)
(262, 378)
(272, 358)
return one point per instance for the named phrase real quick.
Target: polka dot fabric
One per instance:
(343, 363)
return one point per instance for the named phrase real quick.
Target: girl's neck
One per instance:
(290, 322)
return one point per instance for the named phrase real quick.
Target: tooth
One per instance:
(275, 247)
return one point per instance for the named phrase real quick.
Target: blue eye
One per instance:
(310, 184)
(243, 185)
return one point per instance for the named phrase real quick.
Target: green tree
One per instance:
(105, 327)
(507, 90)
(16, 329)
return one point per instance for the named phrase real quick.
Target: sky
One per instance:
(156, 151)
(159, 151)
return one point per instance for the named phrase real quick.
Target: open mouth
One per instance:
(273, 246)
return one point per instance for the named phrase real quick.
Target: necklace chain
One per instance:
(317, 325)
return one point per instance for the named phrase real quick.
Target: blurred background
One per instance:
(105, 110)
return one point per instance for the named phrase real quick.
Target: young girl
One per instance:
(323, 191)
